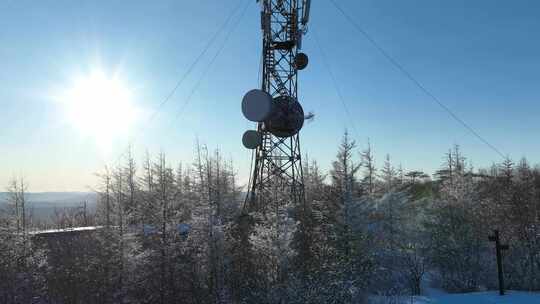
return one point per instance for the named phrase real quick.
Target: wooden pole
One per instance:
(498, 248)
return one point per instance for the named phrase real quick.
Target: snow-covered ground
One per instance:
(433, 295)
(487, 297)
(438, 296)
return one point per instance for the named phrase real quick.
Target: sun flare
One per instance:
(101, 107)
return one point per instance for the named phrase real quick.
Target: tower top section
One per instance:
(291, 16)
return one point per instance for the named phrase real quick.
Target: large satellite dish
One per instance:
(251, 139)
(287, 118)
(257, 105)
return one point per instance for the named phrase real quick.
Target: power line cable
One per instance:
(207, 69)
(211, 63)
(196, 61)
(190, 69)
(335, 83)
(413, 79)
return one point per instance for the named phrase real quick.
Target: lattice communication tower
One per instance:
(277, 168)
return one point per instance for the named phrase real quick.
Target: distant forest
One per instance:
(183, 234)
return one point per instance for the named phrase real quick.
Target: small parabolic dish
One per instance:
(251, 139)
(257, 105)
(301, 61)
(287, 118)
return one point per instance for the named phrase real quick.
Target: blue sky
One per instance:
(480, 58)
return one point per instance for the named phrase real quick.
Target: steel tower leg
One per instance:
(277, 174)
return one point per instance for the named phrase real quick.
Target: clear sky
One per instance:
(480, 58)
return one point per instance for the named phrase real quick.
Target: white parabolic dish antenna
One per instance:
(251, 139)
(257, 105)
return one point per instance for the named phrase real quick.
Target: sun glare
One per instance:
(100, 107)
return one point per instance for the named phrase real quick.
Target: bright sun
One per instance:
(100, 107)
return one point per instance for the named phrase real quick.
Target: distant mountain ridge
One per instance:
(43, 204)
(57, 198)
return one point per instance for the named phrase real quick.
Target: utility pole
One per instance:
(499, 248)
